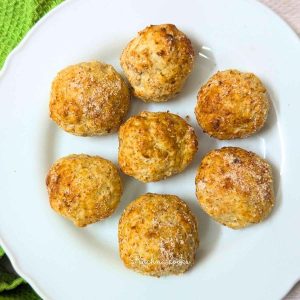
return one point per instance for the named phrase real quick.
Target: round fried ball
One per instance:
(155, 145)
(235, 187)
(232, 105)
(158, 235)
(83, 188)
(157, 62)
(89, 99)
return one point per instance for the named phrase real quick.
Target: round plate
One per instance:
(64, 262)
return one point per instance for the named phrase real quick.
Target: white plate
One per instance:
(64, 262)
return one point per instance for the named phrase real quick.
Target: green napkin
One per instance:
(12, 286)
(16, 18)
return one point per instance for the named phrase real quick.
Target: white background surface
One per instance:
(63, 262)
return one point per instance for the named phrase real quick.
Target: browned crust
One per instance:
(158, 235)
(83, 188)
(157, 62)
(235, 187)
(155, 145)
(232, 105)
(89, 99)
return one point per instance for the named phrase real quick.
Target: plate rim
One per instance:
(16, 51)
(9, 252)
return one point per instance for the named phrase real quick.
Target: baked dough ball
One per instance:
(89, 99)
(155, 145)
(232, 105)
(158, 235)
(235, 187)
(83, 188)
(157, 62)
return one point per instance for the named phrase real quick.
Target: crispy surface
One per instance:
(232, 105)
(155, 145)
(157, 62)
(89, 99)
(158, 235)
(235, 187)
(83, 188)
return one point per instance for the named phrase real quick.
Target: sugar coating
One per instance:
(89, 99)
(232, 105)
(155, 145)
(157, 62)
(158, 235)
(83, 188)
(235, 187)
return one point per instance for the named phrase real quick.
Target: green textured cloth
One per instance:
(12, 286)
(22, 292)
(16, 18)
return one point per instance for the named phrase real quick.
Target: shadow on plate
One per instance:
(132, 189)
(272, 120)
(204, 67)
(50, 141)
(209, 232)
(94, 244)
